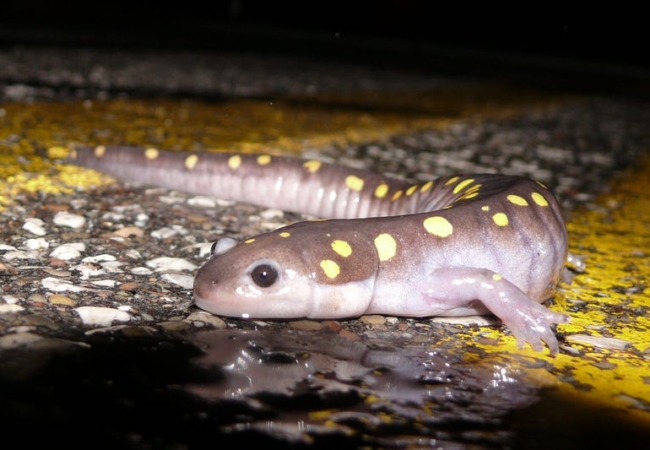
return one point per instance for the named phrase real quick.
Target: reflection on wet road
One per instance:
(320, 383)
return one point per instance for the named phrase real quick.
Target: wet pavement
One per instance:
(100, 344)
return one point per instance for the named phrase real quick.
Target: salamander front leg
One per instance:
(456, 290)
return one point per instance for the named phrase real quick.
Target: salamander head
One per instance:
(283, 274)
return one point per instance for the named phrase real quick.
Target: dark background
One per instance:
(611, 35)
(560, 45)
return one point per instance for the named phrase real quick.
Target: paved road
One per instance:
(149, 369)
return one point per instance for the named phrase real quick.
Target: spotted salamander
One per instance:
(456, 246)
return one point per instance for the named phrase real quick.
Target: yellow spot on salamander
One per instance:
(438, 226)
(485, 208)
(151, 153)
(397, 195)
(353, 182)
(284, 234)
(381, 190)
(249, 241)
(500, 219)
(520, 201)
(312, 166)
(452, 180)
(426, 186)
(541, 184)
(263, 160)
(342, 248)
(539, 199)
(411, 190)
(330, 268)
(99, 151)
(234, 162)
(460, 186)
(496, 277)
(191, 161)
(386, 246)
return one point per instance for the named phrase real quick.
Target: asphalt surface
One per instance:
(147, 369)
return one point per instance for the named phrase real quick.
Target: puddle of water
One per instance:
(133, 389)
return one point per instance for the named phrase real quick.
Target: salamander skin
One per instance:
(456, 246)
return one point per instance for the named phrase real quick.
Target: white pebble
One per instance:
(204, 249)
(112, 216)
(36, 244)
(272, 213)
(58, 285)
(184, 281)
(11, 299)
(164, 233)
(66, 252)
(141, 271)
(10, 256)
(89, 270)
(10, 308)
(112, 266)
(100, 316)
(99, 258)
(132, 254)
(6, 248)
(166, 263)
(66, 219)
(104, 283)
(10, 341)
(224, 203)
(141, 220)
(170, 199)
(78, 203)
(35, 226)
(202, 201)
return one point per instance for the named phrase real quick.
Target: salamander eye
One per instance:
(264, 275)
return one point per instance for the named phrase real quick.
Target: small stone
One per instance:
(165, 263)
(104, 283)
(101, 316)
(10, 299)
(35, 226)
(36, 244)
(129, 286)
(175, 325)
(202, 202)
(333, 325)
(179, 279)
(207, 318)
(56, 285)
(349, 335)
(10, 308)
(141, 271)
(57, 273)
(164, 233)
(69, 251)
(58, 299)
(39, 320)
(99, 258)
(66, 219)
(272, 213)
(373, 319)
(128, 232)
(306, 325)
(12, 341)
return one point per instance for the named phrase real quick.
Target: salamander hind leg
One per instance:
(453, 292)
